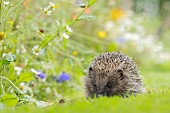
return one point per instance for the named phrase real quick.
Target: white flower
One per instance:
(66, 36)
(23, 87)
(6, 3)
(132, 37)
(47, 11)
(36, 50)
(69, 29)
(52, 5)
(34, 71)
(58, 23)
(164, 56)
(17, 26)
(18, 69)
(109, 26)
(48, 90)
(23, 49)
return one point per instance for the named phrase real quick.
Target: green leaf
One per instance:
(24, 77)
(46, 40)
(90, 2)
(9, 100)
(86, 17)
(12, 72)
(7, 60)
(10, 58)
(4, 62)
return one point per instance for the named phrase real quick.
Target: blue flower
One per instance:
(120, 40)
(41, 74)
(63, 77)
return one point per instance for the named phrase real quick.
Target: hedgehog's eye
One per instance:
(94, 85)
(109, 85)
(90, 69)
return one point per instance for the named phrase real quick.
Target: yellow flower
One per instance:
(117, 14)
(11, 22)
(53, 5)
(21, 87)
(75, 53)
(2, 35)
(101, 34)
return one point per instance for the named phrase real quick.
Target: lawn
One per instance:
(156, 100)
(46, 48)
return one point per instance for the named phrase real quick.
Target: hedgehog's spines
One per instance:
(114, 59)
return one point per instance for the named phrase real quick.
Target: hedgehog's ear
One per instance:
(120, 73)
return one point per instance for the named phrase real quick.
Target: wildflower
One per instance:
(55, 77)
(121, 40)
(6, 3)
(58, 23)
(23, 87)
(52, 5)
(23, 49)
(69, 29)
(47, 11)
(132, 37)
(101, 34)
(109, 26)
(63, 77)
(18, 70)
(73, 17)
(17, 26)
(39, 73)
(164, 56)
(75, 53)
(11, 22)
(2, 35)
(48, 90)
(117, 14)
(66, 36)
(36, 50)
(87, 11)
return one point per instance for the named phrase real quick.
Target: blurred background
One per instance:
(139, 28)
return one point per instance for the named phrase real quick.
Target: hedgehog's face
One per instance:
(99, 83)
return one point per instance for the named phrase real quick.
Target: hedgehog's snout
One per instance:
(100, 94)
(100, 91)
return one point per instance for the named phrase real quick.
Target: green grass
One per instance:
(156, 100)
(58, 55)
(156, 80)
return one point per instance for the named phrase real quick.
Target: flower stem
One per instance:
(2, 51)
(0, 8)
(72, 22)
(2, 77)
(28, 63)
(3, 91)
(1, 68)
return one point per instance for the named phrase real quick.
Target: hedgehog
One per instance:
(113, 74)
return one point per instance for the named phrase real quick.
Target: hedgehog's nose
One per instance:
(101, 94)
